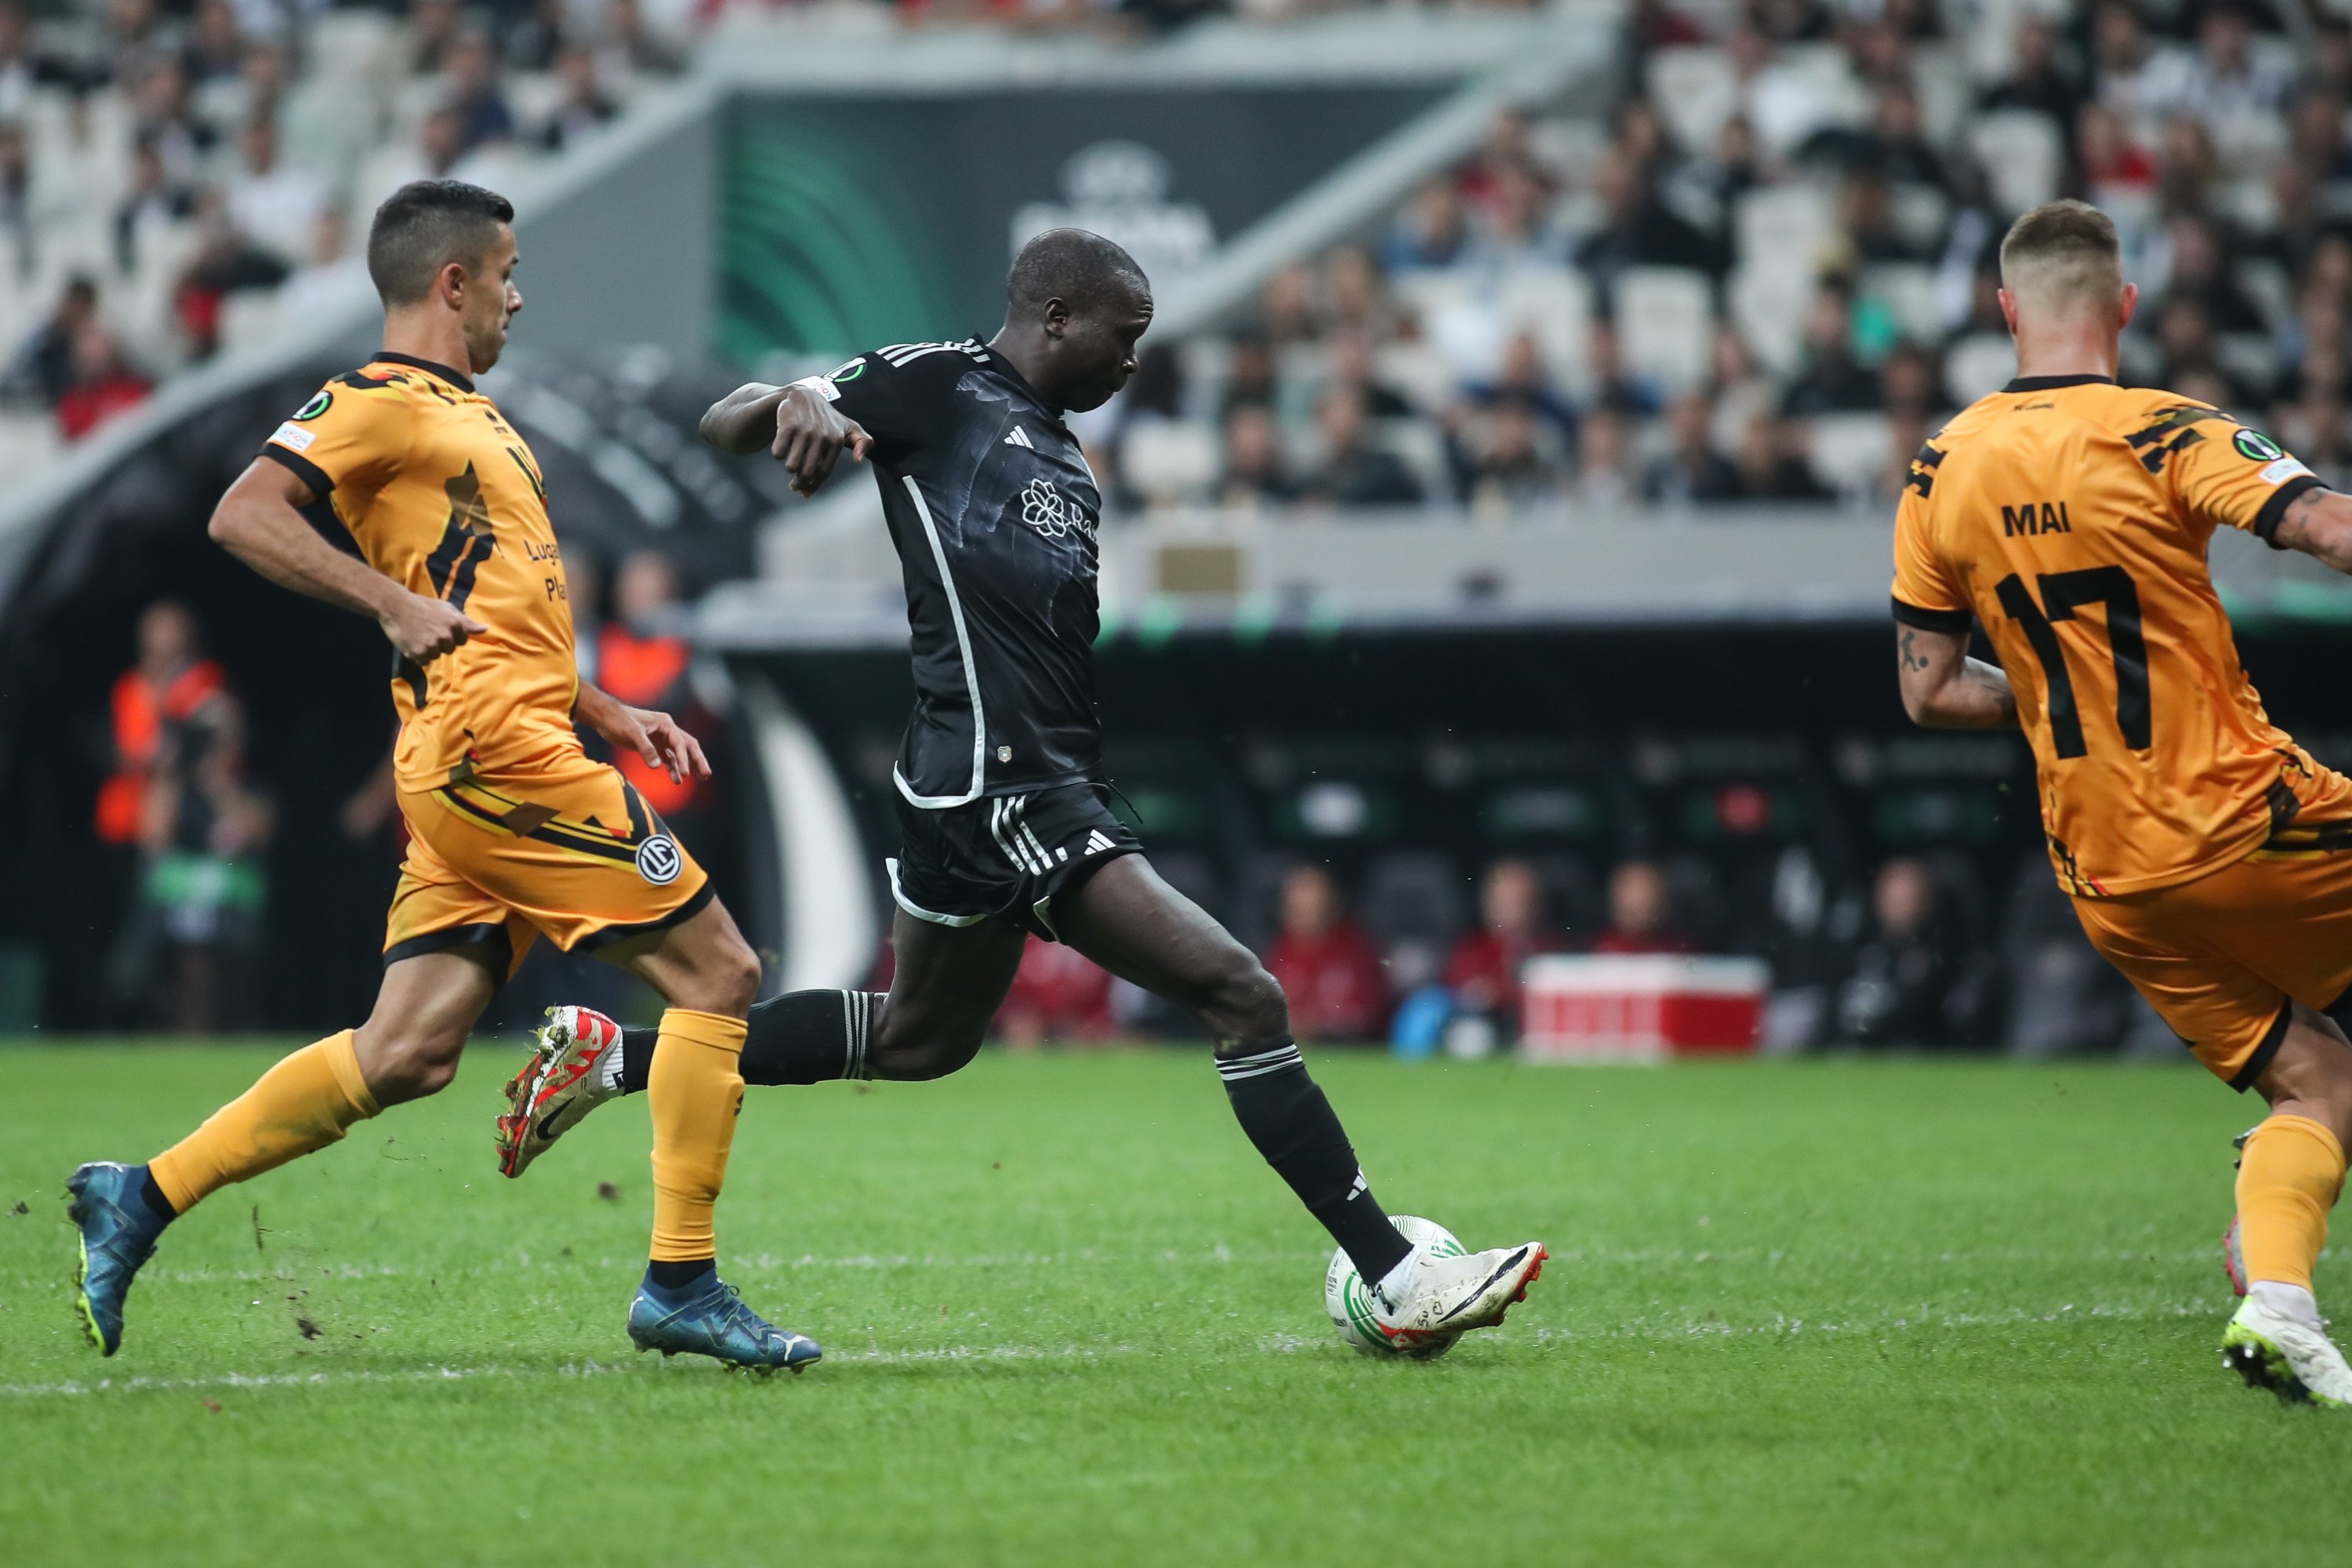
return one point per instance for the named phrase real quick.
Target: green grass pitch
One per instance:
(1868, 1312)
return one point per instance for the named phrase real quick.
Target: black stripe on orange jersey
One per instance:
(2156, 457)
(1953, 623)
(455, 561)
(456, 378)
(313, 476)
(1923, 469)
(2266, 521)
(2171, 419)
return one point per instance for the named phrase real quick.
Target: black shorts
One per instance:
(1006, 857)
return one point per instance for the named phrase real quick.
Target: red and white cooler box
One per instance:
(1647, 1007)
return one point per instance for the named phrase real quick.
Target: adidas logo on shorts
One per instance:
(1096, 842)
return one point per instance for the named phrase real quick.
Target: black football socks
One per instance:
(803, 1037)
(1285, 1115)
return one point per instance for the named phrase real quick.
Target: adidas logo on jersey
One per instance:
(1019, 438)
(1096, 842)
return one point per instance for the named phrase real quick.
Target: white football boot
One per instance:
(1429, 1297)
(574, 1068)
(2284, 1353)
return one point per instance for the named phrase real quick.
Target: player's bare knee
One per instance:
(403, 1064)
(1246, 1003)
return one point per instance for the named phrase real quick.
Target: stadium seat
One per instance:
(1849, 451)
(1908, 291)
(1169, 462)
(1665, 323)
(2023, 156)
(1768, 307)
(1784, 227)
(1556, 304)
(1413, 907)
(1688, 84)
(1978, 365)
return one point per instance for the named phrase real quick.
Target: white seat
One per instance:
(248, 318)
(1665, 323)
(1978, 366)
(1556, 305)
(1908, 290)
(1788, 224)
(1689, 84)
(1768, 307)
(1849, 451)
(1169, 462)
(2022, 156)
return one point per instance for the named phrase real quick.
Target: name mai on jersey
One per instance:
(2034, 518)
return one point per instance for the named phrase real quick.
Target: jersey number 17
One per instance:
(2063, 592)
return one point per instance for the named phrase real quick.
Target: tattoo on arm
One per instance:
(1993, 683)
(1911, 658)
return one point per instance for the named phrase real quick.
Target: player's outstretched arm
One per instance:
(2318, 523)
(260, 522)
(1944, 688)
(795, 425)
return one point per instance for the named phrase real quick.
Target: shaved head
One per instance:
(2062, 256)
(1083, 270)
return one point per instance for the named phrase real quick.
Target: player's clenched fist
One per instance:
(423, 630)
(810, 436)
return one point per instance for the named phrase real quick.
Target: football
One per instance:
(1349, 1299)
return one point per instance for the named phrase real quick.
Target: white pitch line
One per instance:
(76, 1387)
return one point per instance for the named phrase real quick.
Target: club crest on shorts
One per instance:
(660, 861)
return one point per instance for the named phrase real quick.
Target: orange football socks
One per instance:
(302, 1105)
(697, 1090)
(2288, 1179)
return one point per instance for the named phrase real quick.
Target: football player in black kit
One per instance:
(1002, 802)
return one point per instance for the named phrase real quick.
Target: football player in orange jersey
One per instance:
(515, 832)
(2208, 857)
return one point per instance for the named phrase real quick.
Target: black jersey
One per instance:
(992, 509)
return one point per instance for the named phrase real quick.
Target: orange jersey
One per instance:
(2070, 517)
(444, 498)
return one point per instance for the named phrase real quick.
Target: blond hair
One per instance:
(2061, 254)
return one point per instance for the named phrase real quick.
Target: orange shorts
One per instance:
(568, 848)
(2221, 958)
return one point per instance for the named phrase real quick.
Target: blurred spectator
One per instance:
(164, 120)
(1830, 382)
(17, 223)
(1694, 470)
(2120, 60)
(1894, 147)
(1351, 365)
(2185, 337)
(1432, 230)
(2193, 265)
(1326, 967)
(626, 47)
(225, 262)
(215, 52)
(1286, 304)
(1505, 462)
(1056, 995)
(1776, 461)
(168, 684)
(1782, 105)
(472, 69)
(1514, 229)
(1482, 970)
(1641, 911)
(1614, 387)
(1909, 387)
(2040, 79)
(152, 204)
(433, 27)
(103, 384)
(43, 369)
(583, 106)
(1605, 480)
(539, 40)
(1254, 473)
(2116, 171)
(1356, 470)
(1636, 230)
(2222, 78)
(1250, 377)
(275, 206)
(1525, 380)
(642, 660)
(1896, 992)
(184, 956)
(21, 68)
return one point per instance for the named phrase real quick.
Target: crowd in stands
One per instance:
(1905, 962)
(1770, 273)
(179, 178)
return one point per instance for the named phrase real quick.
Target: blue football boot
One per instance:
(118, 1236)
(714, 1321)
